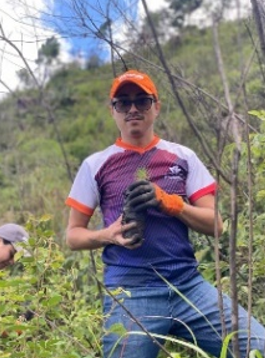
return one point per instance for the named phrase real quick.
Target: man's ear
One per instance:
(157, 107)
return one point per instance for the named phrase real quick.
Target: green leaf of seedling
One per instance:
(141, 174)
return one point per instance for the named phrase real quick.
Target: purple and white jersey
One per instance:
(101, 181)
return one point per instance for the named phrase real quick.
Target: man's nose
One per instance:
(133, 108)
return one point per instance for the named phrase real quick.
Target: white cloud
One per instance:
(123, 26)
(21, 28)
(152, 5)
(204, 15)
(20, 22)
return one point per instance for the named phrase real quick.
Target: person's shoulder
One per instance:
(179, 149)
(100, 154)
(97, 159)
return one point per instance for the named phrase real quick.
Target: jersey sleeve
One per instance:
(84, 195)
(200, 182)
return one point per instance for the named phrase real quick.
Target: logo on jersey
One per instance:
(175, 172)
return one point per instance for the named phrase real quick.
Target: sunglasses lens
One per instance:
(143, 104)
(124, 105)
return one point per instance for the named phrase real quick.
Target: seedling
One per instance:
(129, 213)
(141, 174)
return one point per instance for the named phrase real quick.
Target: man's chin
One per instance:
(136, 133)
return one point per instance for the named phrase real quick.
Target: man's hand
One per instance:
(115, 234)
(144, 195)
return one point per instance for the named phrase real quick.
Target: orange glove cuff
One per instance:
(171, 204)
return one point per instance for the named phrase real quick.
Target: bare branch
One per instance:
(259, 16)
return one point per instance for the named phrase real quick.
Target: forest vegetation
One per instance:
(211, 84)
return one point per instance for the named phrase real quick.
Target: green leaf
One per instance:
(255, 354)
(261, 194)
(11, 283)
(120, 290)
(260, 114)
(117, 328)
(52, 301)
(2, 309)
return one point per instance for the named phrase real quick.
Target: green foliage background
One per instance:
(41, 148)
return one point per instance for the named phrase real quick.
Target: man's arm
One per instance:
(201, 216)
(80, 237)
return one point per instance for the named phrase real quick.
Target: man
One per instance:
(11, 235)
(167, 296)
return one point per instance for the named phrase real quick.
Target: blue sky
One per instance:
(79, 25)
(29, 23)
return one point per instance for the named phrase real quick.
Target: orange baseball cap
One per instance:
(133, 76)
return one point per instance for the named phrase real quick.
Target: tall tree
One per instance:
(49, 51)
(181, 9)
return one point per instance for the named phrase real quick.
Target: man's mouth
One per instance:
(129, 119)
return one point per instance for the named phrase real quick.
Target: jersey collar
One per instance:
(120, 143)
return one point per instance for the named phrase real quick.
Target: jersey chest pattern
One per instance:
(120, 170)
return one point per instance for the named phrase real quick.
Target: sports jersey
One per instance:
(102, 180)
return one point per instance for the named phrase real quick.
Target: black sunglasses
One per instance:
(142, 104)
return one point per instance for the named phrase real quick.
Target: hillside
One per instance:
(211, 85)
(46, 134)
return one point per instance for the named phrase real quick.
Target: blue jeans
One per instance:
(163, 311)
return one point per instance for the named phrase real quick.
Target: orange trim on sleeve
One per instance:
(211, 189)
(78, 206)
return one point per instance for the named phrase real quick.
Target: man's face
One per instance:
(7, 253)
(134, 121)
